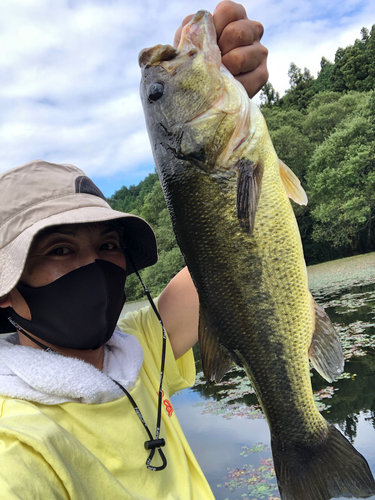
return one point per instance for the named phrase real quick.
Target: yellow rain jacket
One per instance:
(77, 451)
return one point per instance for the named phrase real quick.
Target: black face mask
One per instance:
(79, 310)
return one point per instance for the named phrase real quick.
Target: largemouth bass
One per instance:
(227, 194)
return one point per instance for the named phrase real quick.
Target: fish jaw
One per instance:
(200, 34)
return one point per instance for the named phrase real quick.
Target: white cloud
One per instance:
(314, 32)
(69, 75)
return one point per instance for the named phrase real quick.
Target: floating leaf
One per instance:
(258, 481)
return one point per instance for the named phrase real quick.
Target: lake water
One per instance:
(228, 433)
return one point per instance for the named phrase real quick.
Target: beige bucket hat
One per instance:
(41, 194)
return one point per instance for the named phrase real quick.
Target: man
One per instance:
(79, 395)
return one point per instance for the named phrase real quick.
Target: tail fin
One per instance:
(321, 472)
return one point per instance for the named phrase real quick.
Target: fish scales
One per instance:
(242, 297)
(226, 192)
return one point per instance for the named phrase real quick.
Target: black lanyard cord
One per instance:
(153, 443)
(42, 346)
(157, 442)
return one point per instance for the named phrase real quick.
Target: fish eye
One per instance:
(155, 91)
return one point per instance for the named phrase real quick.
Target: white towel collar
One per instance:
(49, 378)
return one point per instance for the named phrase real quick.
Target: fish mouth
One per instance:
(200, 34)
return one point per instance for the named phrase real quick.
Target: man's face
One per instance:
(59, 250)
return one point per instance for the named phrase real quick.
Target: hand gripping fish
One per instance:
(227, 194)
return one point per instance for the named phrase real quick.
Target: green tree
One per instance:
(293, 147)
(337, 77)
(323, 81)
(277, 117)
(321, 98)
(153, 204)
(341, 180)
(322, 120)
(268, 96)
(355, 65)
(158, 276)
(365, 35)
(130, 200)
(355, 68)
(301, 90)
(164, 232)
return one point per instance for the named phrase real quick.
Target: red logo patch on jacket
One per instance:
(167, 405)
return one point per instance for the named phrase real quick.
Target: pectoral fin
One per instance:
(292, 184)
(248, 191)
(325, 351)
(215, 358)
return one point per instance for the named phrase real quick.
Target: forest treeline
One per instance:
(324, 129)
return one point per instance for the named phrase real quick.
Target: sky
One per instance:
(69, 74)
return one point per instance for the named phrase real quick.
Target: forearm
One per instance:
(179, 309)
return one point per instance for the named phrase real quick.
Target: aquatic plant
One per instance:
(354, 338)
(228, 406)
(230, 402)
(325, 393)
(350, 302)
(258, 481)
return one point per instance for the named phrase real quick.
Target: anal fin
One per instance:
(325, 351)
(215, 358)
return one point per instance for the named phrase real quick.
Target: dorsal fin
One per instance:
(292, 184)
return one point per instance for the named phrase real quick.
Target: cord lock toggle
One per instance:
(154, 443)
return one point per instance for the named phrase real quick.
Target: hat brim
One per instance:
(138, 236)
